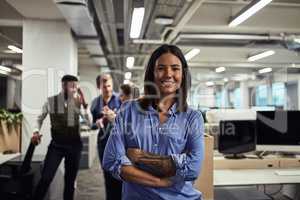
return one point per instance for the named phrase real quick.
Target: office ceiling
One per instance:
(196, 24)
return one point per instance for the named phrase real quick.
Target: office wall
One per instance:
(87, 76)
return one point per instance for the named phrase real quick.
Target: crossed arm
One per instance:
(160, 166)
(130, 173)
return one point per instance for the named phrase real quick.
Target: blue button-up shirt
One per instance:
(180, 137)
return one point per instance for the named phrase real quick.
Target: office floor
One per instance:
(249, 193)
(90, 186)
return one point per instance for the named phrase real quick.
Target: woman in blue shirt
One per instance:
(156, 146)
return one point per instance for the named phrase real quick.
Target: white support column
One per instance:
(50, 51)
(244, 95)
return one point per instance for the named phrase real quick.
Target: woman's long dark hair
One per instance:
(151, 94)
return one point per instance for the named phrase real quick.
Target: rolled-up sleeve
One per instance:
(115, 153)
(188, 164)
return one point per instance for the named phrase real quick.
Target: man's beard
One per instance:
(68, 95)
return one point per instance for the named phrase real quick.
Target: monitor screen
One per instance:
(237, 136)
(278, 128)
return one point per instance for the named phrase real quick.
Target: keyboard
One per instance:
(288, 172)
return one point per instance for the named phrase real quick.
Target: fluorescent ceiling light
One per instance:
(265, 70)
(147, 41)
(240, 77)
(15, 49)
(220, 69)
(3, 72)
(137, 22)
(225, 79)
(192, 54)
(209, 83)
(127, 75)
(130, 62)
(5, 69)
(9, 51)
(126, 81)
(164, 20)
(248, 11)
(261, 55)
(295, 65)
(297, 40)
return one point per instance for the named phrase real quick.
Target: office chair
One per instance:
(16, 182)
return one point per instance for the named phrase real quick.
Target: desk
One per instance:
(240, 177)
(7, 157)
(254, 171)
(89, 151)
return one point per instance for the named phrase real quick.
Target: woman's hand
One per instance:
(135, 154)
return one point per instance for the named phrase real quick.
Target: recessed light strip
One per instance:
(248, 11)
(261, 55)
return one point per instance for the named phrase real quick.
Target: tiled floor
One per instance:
(90, 185)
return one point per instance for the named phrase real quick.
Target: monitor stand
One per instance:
(235, 156)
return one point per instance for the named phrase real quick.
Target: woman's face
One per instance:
(168, 74)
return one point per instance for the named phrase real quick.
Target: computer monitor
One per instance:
(278, 131)
(236, 137)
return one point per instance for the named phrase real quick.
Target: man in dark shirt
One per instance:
(64, 110)
(103, 110)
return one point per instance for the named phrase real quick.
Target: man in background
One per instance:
(128, 92)
(103, 110)
(64, 110)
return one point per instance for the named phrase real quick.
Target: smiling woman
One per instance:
(156, 146)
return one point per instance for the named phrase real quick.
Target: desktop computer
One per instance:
(278, 131)
(236, 137)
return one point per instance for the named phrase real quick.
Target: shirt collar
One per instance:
(172, 110)
(114, 95)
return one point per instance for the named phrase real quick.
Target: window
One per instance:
(218, 99)
(261, 95)
(237, 98)
(278, 94)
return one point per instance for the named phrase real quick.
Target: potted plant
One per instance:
(10, 131)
